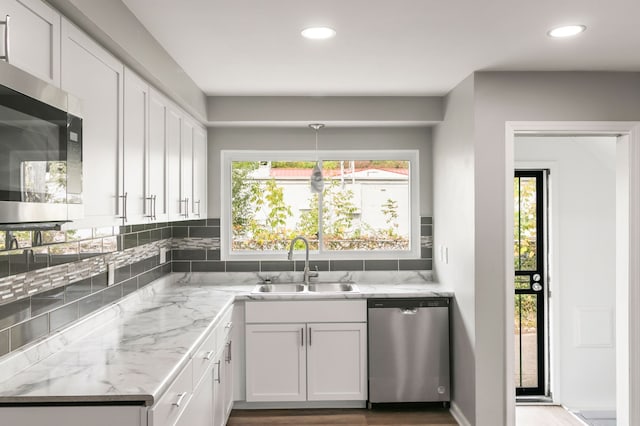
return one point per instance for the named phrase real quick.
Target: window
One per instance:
(368, 207)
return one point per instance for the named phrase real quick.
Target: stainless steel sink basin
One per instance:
(333, 287)
(279, 288)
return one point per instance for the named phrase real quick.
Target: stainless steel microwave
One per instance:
(40, 151)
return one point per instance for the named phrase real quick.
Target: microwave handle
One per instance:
(6, 37)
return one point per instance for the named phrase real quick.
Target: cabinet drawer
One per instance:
(204, 356)
(283, 311)
(175, 399)
(224, 328)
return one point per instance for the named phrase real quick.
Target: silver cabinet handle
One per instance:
(228, 359)
(186, 207)
(309, 336)
(197, 213)
(301, 336)
(218, 379)
(124, 208)
(154, 207)
(149, 207)
(180, 398)
(7, 18)
(208, 356)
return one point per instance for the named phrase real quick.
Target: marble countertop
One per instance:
(131, 351)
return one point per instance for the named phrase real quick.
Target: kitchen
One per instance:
(465, 150)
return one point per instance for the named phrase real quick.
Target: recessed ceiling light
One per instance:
(566, 31)
(318, 33)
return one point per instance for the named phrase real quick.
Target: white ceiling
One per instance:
(383, 47)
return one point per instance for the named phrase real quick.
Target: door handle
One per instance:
(409, 311)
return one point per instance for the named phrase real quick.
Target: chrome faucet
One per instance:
(306, 274)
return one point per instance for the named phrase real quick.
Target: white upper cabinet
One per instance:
(136, 128)
(157, 158)
(199, 173)
(186, 169)
(94, 76)
(34, 38)
(174, 135)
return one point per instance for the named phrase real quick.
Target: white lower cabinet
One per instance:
(320, 355)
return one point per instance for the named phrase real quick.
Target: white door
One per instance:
(199, 411)
(93, 75)
(219, 379)
(174, 136)
(199, 173)
(186, 169)
(337, 361)
(34, 38)
(157, 155)
(136, 122)
(276, 362)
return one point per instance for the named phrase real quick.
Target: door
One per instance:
(157, 164)
(530, 261)
(219, 380)
(199, 173)
(175, 205)
(199, 411)
(276, 362)
(186, 170)
(336, 362)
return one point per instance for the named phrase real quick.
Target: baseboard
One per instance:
(458, 416)
(243, 405)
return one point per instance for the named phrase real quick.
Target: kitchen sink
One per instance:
(333, 287)
(279, 288)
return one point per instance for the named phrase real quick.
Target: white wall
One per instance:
(583, 257)
(453, 200)
(297, 138)
(521, 96)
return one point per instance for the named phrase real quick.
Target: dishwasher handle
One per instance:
(409, 311)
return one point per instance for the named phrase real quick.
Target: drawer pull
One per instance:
(228, 360)
(180, 398)
(229, 326)
(219, 379)
(208, 356)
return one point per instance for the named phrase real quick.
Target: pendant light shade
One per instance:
(317, 180)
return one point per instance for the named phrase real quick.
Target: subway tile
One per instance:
(213, 254)
(155, 235)
(123, 273)
(120, 242)
(47, 301)
(111, 294)
(243, 266)
(346, 265)
(129, 286)
(59, 259)
(18, 263)
(137, 228)
(426, 252)
(276, 265)
(14, 312)
(213, 222)
(147, 278)
(381, 265)
(4, 342)
(169, 255)
(207, 266)
(178, 266)
(90, 304)
(426, 230)
(415, 264)
(322, 265)
(40, 259)
(149, 226)
(426, 220)
(190, 254)
(125, 229)
(63, 316)
(137, 268)
(29, 331)
(99, 282)
(144, 237)
(197, 222)
(204, 232)
(4, 265)
(151, 262)
(130, 240)
(166, 268)
(179, 232)
(77, 290)
(166, 233)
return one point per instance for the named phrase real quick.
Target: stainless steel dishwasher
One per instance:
(409, 350)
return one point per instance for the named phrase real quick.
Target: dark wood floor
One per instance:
(344, 417)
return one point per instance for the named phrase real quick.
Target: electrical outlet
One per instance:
(163, 255)
(111, 274)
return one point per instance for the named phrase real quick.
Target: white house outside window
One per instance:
(367, 209)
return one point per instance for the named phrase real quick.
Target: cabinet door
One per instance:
(276, 364)
(219, 380)
(174, 136)
(337, 361)
(34, 38)
(93, 75)
(136, 121)
(199, 411)
(199, 173)
(186, 168)
(157, 158)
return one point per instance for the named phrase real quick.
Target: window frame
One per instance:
(229, 156)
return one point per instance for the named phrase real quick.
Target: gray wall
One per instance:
(521, 96)
(303, 138)
(453, 195)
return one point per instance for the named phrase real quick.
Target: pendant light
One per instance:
(317, 181)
